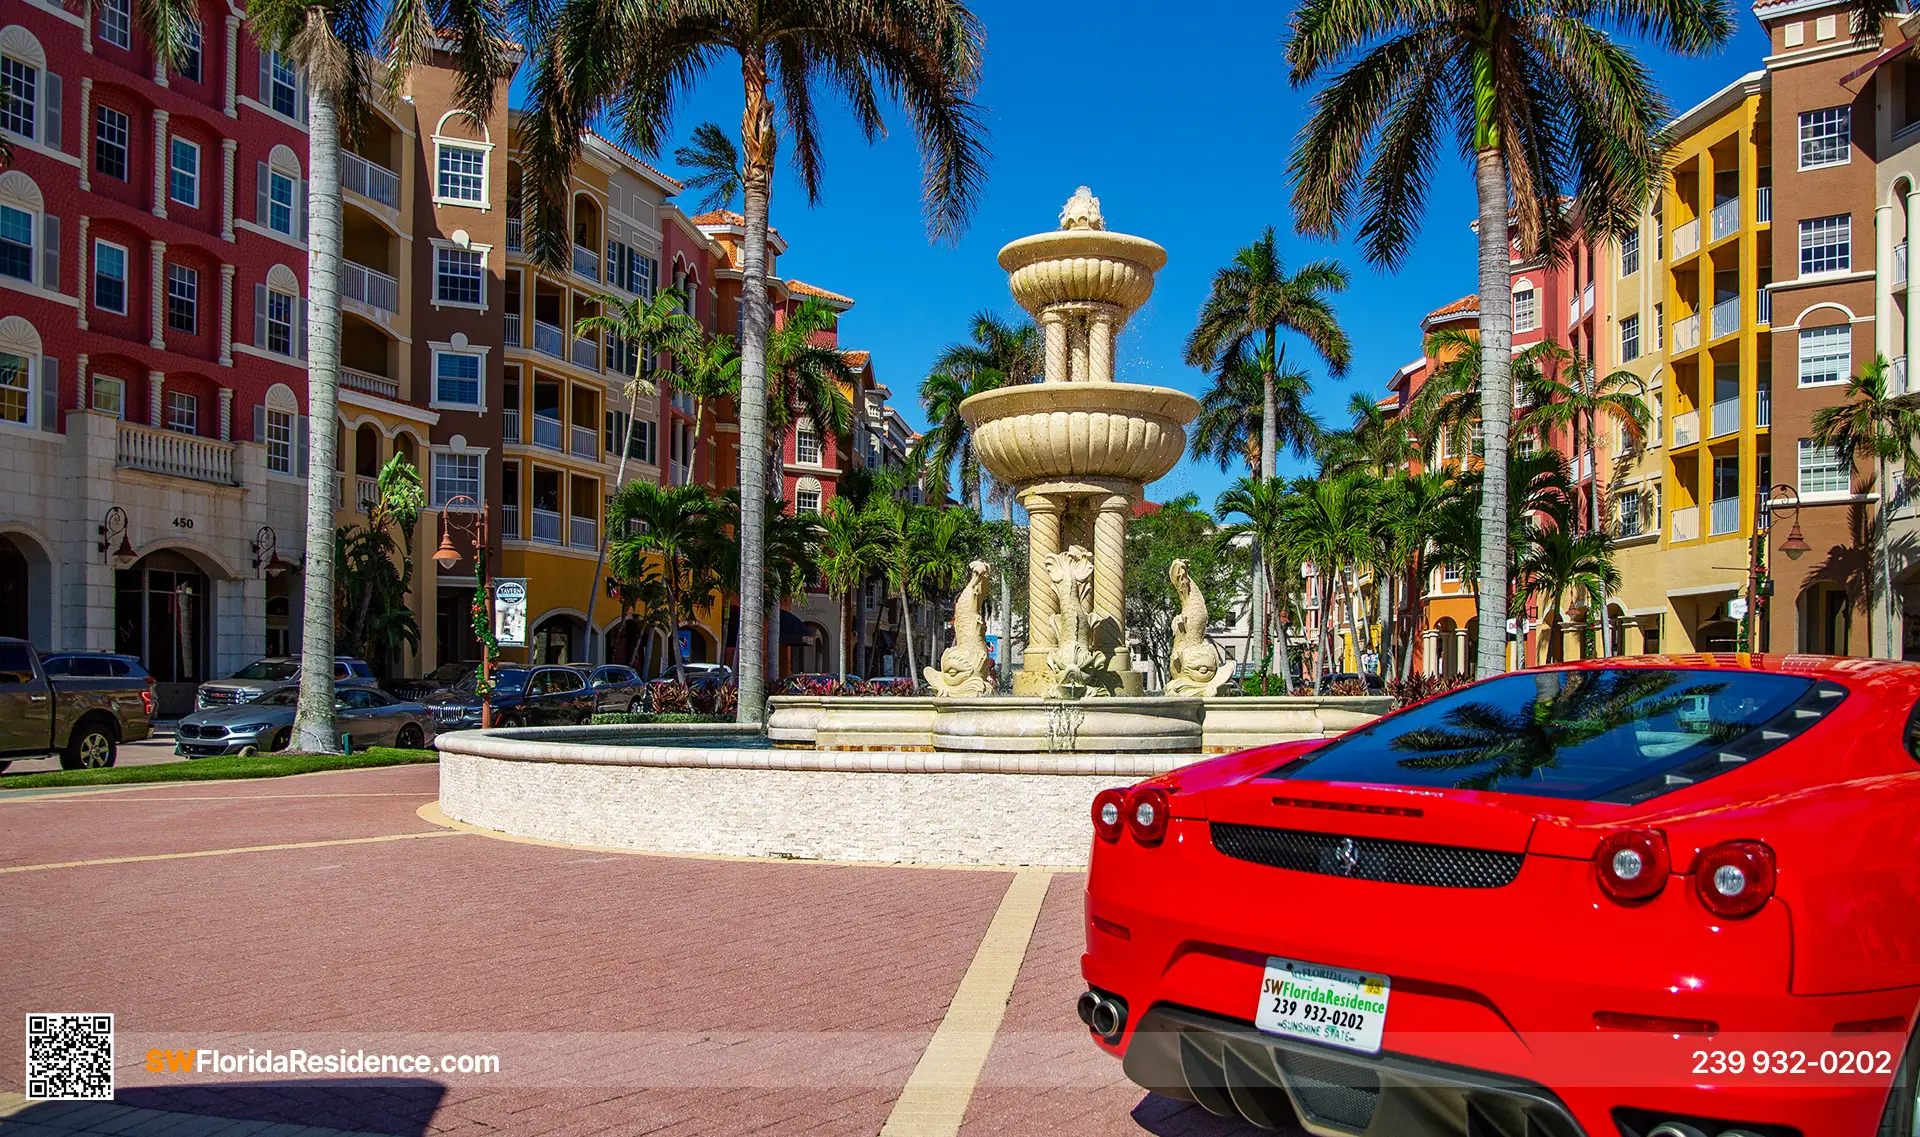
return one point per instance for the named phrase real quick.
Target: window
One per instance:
(109, 277)
(279, 323)
(1629, 504)
(183, 299)
(16, 243)
(1629, 338)
(456, 378)
(1825, 137)
(1450, 572)
(642, 272)
(1822, 470)
(1826, 244)
(116, 22)
(806, 445)
(283, 87)
(190, 51)
(455, 475)
(640, 444)
(646, 441)
(1630, 253)
(457, 276)
(463, 174)
(23, 91)
(1526, 315)
(280, 441)
(280, 203)
(109, 396)
(1659, 326)
(110, 143)
(806, 501)
(183, 412)
(16, 388)
(1826, 354)
(1657, 428)
(184, 182)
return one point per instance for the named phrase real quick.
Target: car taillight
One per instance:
(1633, 864)
(1147, 814)
(146, 701)
(1109, 814)
(1736, 878)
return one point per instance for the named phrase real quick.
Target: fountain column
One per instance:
(1101, 326)
(1077, 344)
(1053, 323)
(1043, 540)
(1109, 576)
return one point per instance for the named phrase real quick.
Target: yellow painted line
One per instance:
(934, 1101)
(432, 815)
(225, 852)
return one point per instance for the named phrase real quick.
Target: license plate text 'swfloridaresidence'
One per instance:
(1323, 1004)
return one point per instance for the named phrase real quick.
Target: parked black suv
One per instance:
(522, 696)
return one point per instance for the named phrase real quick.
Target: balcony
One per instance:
(178, 455)
(1686, 239)
(1900, 263)
(516, 235)
(1763, 406)
(1686, 428)
(549, 340)
(546, 432)
(1726, 317)
(1726, 219)
(369, 180)
(1897, 381)
(369, 286)
(1586, 298)
(1686, 333)
(1724, 418)
(1763, 206)
(678, 474)
(511, 332)
(1724, 517)
(546, 526)
(366, 494)
(1763, 308)
(1573, 311)
(1686, 523)
(586, 443)
(510, 425)
(510, 522)
(367, 383)
(582, 533)
(586, 353)
(586, 262)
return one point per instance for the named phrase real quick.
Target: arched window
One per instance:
(29, 238)
(279, 319)
(28, 383)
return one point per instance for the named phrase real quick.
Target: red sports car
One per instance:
(1651, 897)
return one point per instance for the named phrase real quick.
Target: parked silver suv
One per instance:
(263, 675)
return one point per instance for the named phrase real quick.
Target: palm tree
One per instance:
(1559, 561)
(1579, 401)
(335, 44)
(635, 62)
(1233, 411)
(944, 544)
(1378, 442)
(708, 371)
(1873, 425)
(1446, 410)
(853, 547)
(1413, 517)
(1263, 502)
(948, 441)
(805, 378)
(367, 556)
(1329, 523)
(645, 592)
(671, 523)
(1540, 97)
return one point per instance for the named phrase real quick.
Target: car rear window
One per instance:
(1613, 734)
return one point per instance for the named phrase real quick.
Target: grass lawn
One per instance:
(225, 766)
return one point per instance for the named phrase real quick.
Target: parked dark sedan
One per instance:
(522, 696)
(616, 689)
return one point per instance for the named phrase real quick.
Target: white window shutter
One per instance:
(50, 114)
(260, 422)
(266, 76)
(261, 201)
(50, 394)
(50, 252)
(260, 316)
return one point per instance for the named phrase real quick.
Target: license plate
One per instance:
(1323, 1004)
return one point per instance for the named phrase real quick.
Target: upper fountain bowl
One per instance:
(1042, 431)
(1069, 265)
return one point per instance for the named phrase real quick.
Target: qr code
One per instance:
(70, 1057)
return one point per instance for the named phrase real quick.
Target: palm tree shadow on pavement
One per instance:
(1170, 1117)
(391, 1107)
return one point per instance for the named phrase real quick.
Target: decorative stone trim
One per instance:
(233, 82)
(158, 250)
(86, 115)
(162, 161)
(81, 285)
(228, 148)
(226, 315)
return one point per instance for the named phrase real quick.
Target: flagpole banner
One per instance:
(510, 612)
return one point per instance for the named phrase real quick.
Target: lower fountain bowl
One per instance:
(1097, 725)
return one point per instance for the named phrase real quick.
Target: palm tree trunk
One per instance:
(1269, 420)
(1005, 678)
(1259, 616)
(756, 131)
(1496, 405)
(846, 602)
(313, 724)
(906, 625)
(1353, 604)
(1277, 609)
(673, 622)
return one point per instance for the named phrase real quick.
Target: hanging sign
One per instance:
(510, 612)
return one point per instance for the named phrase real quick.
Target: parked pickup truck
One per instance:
(83, 713)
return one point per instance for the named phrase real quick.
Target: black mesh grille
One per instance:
(1332, 1091)
(1367, 858)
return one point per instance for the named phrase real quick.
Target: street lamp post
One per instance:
(446, 556)
(1759, 582)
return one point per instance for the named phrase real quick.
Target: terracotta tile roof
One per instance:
(636, 160)
(804, 289)
(857, 359)
(721, 217)
(1464, 304)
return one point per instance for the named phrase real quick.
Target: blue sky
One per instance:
(1180, 119)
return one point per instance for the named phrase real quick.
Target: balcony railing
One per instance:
(1763, 307)
(511, 333)
(1725, 418)
(1586, 298)
(516, 234)
(367, 383)
(369, 286)
(549, 340)
(510, 522)
(546, 526)
(1573, 310)
(1726, 317)
(1686, 239)
(1726, 219)
(1900, 263)
(1763, 205)
(1686, 523)
(1763, 405)
(1686, 333)
(369, 179)
(1724, 517)
(546, 432)
(586, 442)
(510, 425)
(366, 493)
(586, 262)
(586, 353)
(583, 533)
(170, 452)
(678, 474)
(1686, 428)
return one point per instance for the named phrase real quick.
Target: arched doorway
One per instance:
(630, 642)
(26, 590)
(163, 614)
(558, 638)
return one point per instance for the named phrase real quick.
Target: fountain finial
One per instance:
(1082, 211)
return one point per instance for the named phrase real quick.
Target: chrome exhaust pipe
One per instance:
(1674, 1129)
(1109, 1018)
(1089, 1002)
